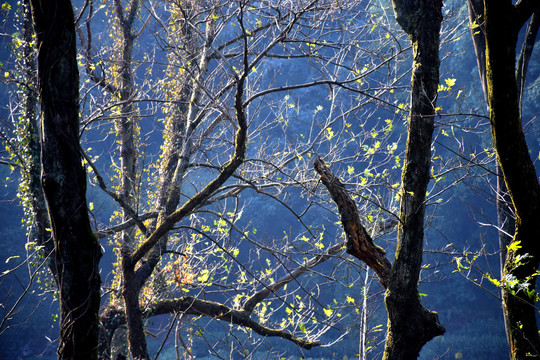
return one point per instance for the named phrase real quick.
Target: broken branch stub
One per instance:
(359, 243)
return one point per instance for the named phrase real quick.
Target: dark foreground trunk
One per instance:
(502, 23)
(410, 325)
(64, 180)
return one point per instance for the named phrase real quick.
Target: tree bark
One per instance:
(64, 180)
(503, 22)
(410, 324)
(359, 243)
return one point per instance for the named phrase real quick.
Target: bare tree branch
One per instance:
(256, 298)
(194, 306)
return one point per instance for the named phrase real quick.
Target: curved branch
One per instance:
(193, 306)
(524, 9)
(526, 52)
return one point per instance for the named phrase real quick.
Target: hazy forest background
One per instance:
(159, 85)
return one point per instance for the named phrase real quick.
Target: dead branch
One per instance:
(359, 243)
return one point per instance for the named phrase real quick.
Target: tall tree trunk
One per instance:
(505, 217)
(64, 180)
(125, 126)
(410, 324)
(503, 20)
(177, 155)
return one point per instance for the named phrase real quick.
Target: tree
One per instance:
(231, 131)
(505, 210)
(503, 21)
(201, 104)
(77, 250)
(410, 325)
(421, 21)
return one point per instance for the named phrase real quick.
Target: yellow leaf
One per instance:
(329, 133)
(328, 312)
(450, 82)
(514, 246)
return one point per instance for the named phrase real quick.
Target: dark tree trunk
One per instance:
(411, 325)
(505, 213)
(64, 180)
(503, 21)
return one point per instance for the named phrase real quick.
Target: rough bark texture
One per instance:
(410, 325)
(359, 243)
(503, 21)
(64, 180)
